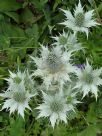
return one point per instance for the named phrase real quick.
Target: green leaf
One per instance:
(1, 119)
(13, 15)
(39, 4)
(91, 114)
(89, 131)
(4, 42)
(60, 130)
(92, 3)
(33, 35)
(100, 8)
(10, 30)
(9, 5)
(1, 134)
(16, 127)
(57, 2)
(26, 16)
(99, 108)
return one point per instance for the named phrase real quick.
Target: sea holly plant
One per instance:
(68, 40)
(17, 100)
(56, 107)
(89, 79)
(58, 94)
(19, 92)
(54, 66)
(81, 21)
(15, 79)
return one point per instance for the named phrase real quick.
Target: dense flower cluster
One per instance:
(56, 66)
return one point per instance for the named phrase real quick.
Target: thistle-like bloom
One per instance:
(80, 21)
(54, 107)
(53, 66)
(15, 79)
(16, 100)
(69, 41)
(89, 80)
(71, 96)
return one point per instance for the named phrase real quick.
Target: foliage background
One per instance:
(25, 23)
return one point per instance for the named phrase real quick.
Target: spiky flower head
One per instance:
(16, 100)
(15, 79)
(88, 79)
(53, 66)
(71, 95)
(19, 77)
(81, 21)
(68, 40)
(54, 107)
(62, 39)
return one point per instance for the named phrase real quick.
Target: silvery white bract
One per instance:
(80, 21)
(15, 79)
(71, 96)
(18, 78)
(89, 80)
(53, 66)
(16, 100)
(54, 107)
(29, 83)
(62, 39)
(68, 40)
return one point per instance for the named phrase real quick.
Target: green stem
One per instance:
(85, 120)
(97, 13)
(30, 127)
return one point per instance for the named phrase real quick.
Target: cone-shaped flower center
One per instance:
(56, 106)
(17, 80)
(79, 19)
(19, 96)
(62, 40)
(54, 63)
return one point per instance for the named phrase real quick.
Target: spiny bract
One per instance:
(55, 107)
(17, 99)
(88, 79)
(80, 21)
(53, 66)
(68, 41)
